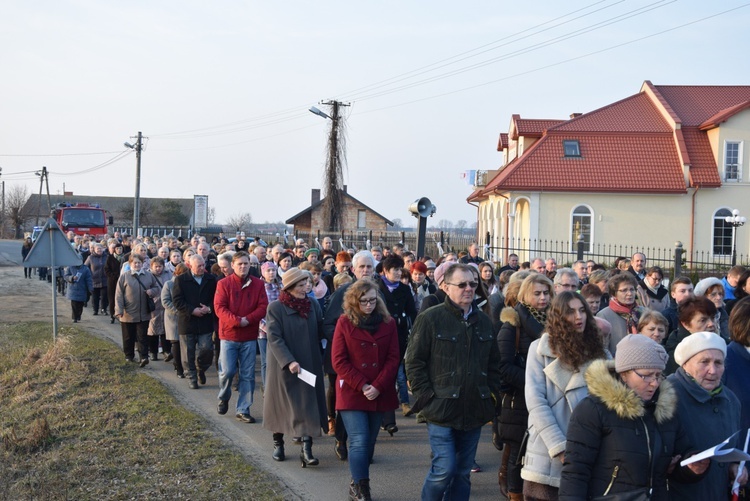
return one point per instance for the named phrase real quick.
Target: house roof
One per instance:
(695, 104)
(636, 133)
(530, 127)
(502, 143)
(347, 195)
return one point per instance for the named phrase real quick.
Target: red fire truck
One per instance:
(81, 218)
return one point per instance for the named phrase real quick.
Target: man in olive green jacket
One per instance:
(452, 365)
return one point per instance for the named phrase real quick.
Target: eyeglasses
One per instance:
(367, 302)
(463, 285)
(568, 286)
(626, 291)
(651, 377)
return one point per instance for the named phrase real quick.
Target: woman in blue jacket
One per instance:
(81, 286)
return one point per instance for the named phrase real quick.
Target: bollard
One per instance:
(678, 250)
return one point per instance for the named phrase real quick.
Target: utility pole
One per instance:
(2, 214)
(335, 162)
(138, 147)
(43, 177)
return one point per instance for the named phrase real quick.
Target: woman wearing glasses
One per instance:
(366, 357)
(522, 325)
(626, 437)
(623, 311)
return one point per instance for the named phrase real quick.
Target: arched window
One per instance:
(722, 233)
(581, 224)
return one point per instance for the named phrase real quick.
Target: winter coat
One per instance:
(292, 406)
(728, 289)
(658, 301)
(400, 304)
(171, 328)
(432, 300)
(237, 299)
(674, 338)
(514, 416)
(156, 324)
(333, 312)
(619, 327)
(362, 357)
(736, 377)
(112, 271)
(452, 367)
(710, 421)
(96, 265)
(187, 295)
(613, 435)
(80, 285)
(552, 392)
(130, 297)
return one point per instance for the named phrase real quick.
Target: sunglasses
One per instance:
(463, 285)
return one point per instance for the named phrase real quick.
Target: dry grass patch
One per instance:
(78, 423)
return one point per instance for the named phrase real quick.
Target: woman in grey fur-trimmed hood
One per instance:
(625, 437)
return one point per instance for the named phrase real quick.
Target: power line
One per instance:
(102, 165)
(58, 154)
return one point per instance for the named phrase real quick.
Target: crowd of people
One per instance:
(598, 382)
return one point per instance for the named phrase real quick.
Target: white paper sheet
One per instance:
(721, 453)
(307, 376)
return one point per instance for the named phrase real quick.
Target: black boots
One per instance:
(306, 456)
(278, 447)
(360, 491)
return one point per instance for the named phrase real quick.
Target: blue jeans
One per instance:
(363, 428)
(232, 354)
(453, 452)
(262, 343)
(403, 389)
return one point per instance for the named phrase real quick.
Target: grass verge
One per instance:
(78, 423)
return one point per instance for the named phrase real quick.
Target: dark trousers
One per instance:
(197, 352)
(132, 333)
(77, 307)
(111, 299)
(177, 356)
(100, 298)
(515, 482)
(153, 345)
(27, 272)
(341, 434)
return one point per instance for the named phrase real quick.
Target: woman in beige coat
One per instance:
(133, 288)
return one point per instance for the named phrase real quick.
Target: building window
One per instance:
(361, 219)
(722, 234)
(571, 148)
(733, 161)
(581, 224)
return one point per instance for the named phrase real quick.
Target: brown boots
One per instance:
(502, 473)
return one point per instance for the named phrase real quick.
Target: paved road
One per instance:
(10, 253)
(401, 462)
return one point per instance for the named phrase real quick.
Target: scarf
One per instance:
(301, 306)
(371, 323)
(540, 316)
(631, 314)
(392, 286)
(320, 290)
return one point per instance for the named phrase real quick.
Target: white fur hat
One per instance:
(696, 343)
(702, 287)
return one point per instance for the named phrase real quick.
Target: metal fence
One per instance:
(697, 264)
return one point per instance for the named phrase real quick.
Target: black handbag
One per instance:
(150, 303)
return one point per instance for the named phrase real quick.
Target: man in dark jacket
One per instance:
(452, 366)
(473, 255)
(193, 297)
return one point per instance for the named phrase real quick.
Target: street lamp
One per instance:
(736, 221)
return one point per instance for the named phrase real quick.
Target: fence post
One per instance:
(677, 259)
(579, 247)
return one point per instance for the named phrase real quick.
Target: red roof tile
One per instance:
(695, 104)
(633, 114)
(703, 169)
(502, 143)
(724, 115)
(533, 127)
(644, 163)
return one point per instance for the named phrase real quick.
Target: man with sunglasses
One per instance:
(452, 367)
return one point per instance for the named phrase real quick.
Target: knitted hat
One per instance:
(636, 351)
(702, 287)
(292, 277)
(696, 343)
(312, 251)
(268, 264)
(440, 272)
(418, 266)
(430, 264)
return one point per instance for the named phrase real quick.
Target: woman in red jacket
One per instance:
(365, 357)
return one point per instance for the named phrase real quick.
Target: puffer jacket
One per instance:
(81, 283)
(453, 367)
(514, 416)
(614, 435)
(553, 390)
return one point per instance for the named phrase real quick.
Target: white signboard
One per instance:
(200, 211)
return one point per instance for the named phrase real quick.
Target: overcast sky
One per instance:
(221, 89)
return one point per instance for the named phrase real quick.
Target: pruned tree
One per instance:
(461, 225)
(15, 200)
(240, 221)
(171, 213)
(333, 204)
(444, 224)
(397, 223)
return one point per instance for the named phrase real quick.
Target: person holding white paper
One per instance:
(294, 329)
(709, 411)
(626, 438)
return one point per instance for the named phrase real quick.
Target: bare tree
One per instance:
(240, 221)
(461, 225)
(444, 224)
(397, 223)
(14, 201)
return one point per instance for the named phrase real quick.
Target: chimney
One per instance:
(344, 188)
(575, 115)
(315, 196)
